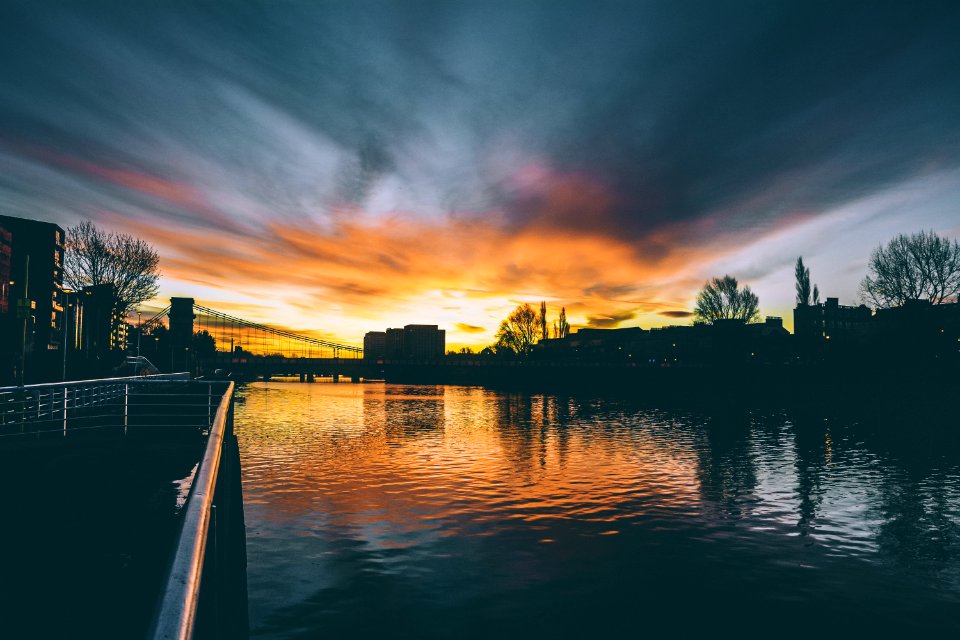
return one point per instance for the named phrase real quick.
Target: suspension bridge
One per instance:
(186, 336)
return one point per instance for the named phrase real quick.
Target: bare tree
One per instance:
(802, 275)
(519, 331)
(722, 298)
(96, 257)
(919, 266)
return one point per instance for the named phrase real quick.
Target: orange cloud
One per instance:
(468, 328)
(351, 278)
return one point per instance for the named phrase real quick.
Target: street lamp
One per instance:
(139, 331)
(66, 327)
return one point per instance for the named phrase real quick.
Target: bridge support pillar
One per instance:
(336, 377)
(181, 334)
(354, 379)
(310, 377)
(303, 377)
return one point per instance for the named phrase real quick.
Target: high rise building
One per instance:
(413, 342)
(393, 344)
(374, 345)
(36, 296)
(423, 341)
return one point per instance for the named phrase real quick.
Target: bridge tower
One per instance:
(181, 334)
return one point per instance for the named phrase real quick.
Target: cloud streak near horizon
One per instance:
(341, 167)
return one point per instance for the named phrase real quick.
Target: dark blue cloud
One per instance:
(744, 112)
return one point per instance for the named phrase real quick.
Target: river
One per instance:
(396, 511)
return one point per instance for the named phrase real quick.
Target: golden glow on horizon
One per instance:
(464, 275)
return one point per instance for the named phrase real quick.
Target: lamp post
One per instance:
(139, 331)
(66, 327)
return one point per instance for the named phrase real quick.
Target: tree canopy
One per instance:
(95, 257)
(919, 266)
(204, 344)
(519, 331)
(723, 298)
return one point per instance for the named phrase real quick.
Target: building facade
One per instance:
(412, 342)
(374, 345)
(832, 319)
(423, 342)
(35, 299)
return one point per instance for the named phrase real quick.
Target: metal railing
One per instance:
(154, 407)
(178, 611)
(59, 409)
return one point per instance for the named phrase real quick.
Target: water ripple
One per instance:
(464, 506)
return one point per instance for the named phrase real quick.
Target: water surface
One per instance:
(454, 512)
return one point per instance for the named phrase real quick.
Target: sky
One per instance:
(341, 167)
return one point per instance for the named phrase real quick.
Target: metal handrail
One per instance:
(178, 608)
(98, 382)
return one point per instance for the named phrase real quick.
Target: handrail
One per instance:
(99, 381)
(178, 608)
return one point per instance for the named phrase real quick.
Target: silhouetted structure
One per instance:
(393, 344)
(96, 333)
(412, 342)
(374, 345)
(725, 342)
(423, 341)
(181, 334)
(829, 329)
(35, 301)
(917, 333)
(6, 252)
(602, 344)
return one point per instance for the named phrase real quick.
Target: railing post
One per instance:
(126, 407)
(65, 392)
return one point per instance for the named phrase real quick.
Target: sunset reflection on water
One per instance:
(453, 511)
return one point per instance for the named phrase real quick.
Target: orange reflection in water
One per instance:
(399, 465)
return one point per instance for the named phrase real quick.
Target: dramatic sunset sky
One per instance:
(340, 167)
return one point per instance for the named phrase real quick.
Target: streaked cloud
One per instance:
(676, 313)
